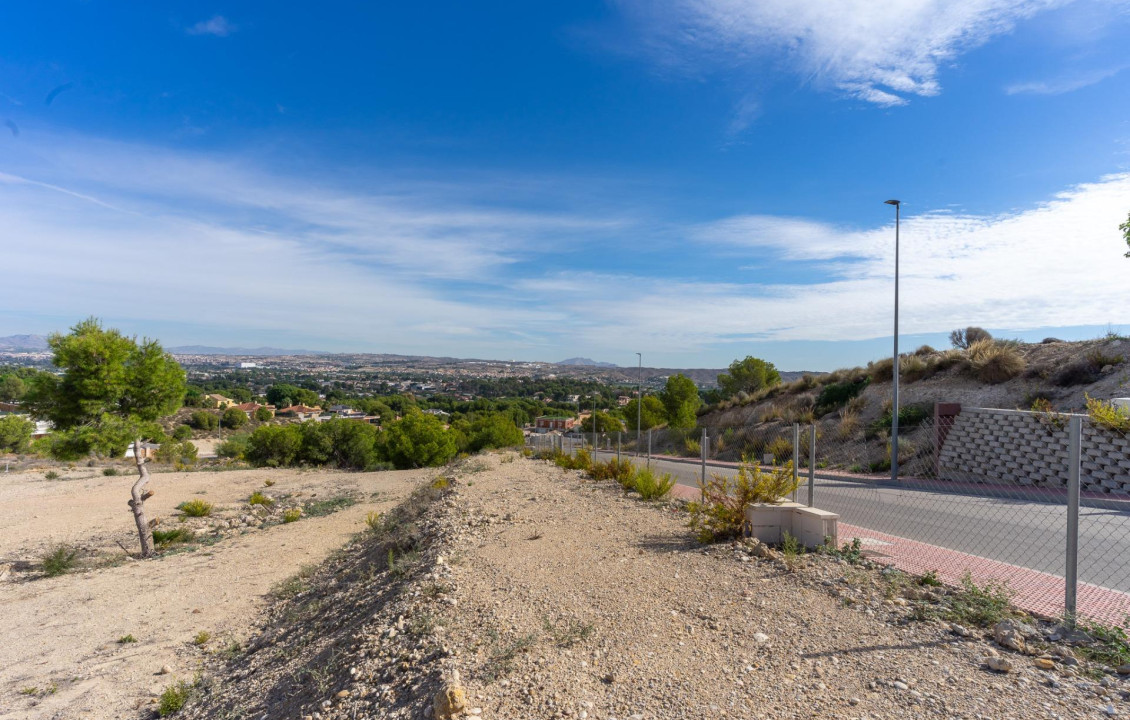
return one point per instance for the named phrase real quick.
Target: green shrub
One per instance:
(1107, 415)
(263, 414)
(126, 639)
(980, 605)
(292, 515)
(781, 448)
(418, 440)
(234, 448)
(196, 508)
(183, 432)
(580, 460)
(110, 471)
(164, 538)
(318, 508)
(177, 452)
(202, 638)
(651, 485)
(692, 447)
(59, 560)
(1100, 359)
(50, 475)
(258, 498)
(15, 434)
(835, 395)
(720, 514)
(233, 418)
(204, 420)
(175, 697)
(274, 445)
(909, 416)
(619, 470)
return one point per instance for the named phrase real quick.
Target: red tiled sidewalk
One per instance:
(1037, 592)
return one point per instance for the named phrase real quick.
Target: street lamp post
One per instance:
(895, 395)
(639, 404)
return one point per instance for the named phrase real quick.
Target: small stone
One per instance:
(1045, 663)
(476, 711)
(853, 701)
(899, 685)
(960, 630)
(449, 701)
(343, 694)
(760, 638)
(1123, 669)
(999, 664)
(165, 670)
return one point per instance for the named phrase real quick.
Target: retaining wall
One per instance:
(1026, 448)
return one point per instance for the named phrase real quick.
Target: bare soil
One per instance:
(59, 650)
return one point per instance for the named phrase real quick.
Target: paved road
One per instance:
(1025, 533)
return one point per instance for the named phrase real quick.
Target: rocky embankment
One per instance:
(517, 590)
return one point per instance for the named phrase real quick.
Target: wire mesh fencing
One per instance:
(1039, 502)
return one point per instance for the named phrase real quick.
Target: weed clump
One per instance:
(993, 362)
(59, 560)
(51, 475)
(1107, 415)
(165, 538)
(292, 515)
(110, 471)
(195, 508)
(980, 605)
(619, 470)
(580, 460)
(258, 498)
(175, 697)
(651, 485)
(720, 514)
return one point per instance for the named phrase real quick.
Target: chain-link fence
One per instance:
(1040, 501)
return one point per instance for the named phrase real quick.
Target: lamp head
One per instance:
(892, 202)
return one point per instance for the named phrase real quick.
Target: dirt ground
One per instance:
(59, 650)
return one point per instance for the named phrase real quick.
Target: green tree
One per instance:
(233, 418)
(274, 445)
(12, 388)
(183, 432)
(112, 390)
(495, 430)
(748, 375)
(652, 414)
(283, 394)
(204, 420)
(1125, 228)
(680, 400)
(418, 440)
(15, 434)
(605, 423)
(263, 414)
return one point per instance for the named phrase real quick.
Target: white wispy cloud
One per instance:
(217, 25)
(1063, 84)
(881, 51)
(166, 239)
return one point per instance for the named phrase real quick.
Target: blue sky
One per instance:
(698, 180)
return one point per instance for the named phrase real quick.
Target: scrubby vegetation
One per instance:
(651, 485)
(720, 514)
(1107, 415)
(195, 508)
(59, 560)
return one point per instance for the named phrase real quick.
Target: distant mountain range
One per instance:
(586, 362)
(32, 343)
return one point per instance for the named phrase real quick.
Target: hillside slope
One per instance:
(533, 594)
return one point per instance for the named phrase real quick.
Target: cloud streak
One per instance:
(880, 52)
(217, 26)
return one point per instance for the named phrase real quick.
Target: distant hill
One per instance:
(586, 362)
(23, 342)
(260, 351)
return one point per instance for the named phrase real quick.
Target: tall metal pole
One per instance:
(594, 422)
(895, 396)
(1071, 569)
(639, 404)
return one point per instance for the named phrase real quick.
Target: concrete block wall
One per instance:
(1024, 448)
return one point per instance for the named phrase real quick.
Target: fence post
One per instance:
(649, 447)
(796, 459)
(619, 436)
(1071, 572)
(702, 450)
(811, 462)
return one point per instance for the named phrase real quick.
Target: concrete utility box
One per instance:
(810, 526)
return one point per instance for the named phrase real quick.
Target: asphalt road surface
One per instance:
(1027, 533)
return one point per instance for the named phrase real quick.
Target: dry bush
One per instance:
(1107, 415)
(619, 470)
(924, 350)
(849, 424)
(1080, 372)
(964, 339)
(781, 449)
(881, 370)
(949, 358)
(913, 368)
(993, 362)
(720, 515)
(651, 485)
(856, 405)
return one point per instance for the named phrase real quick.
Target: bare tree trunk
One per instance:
(137, 502)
